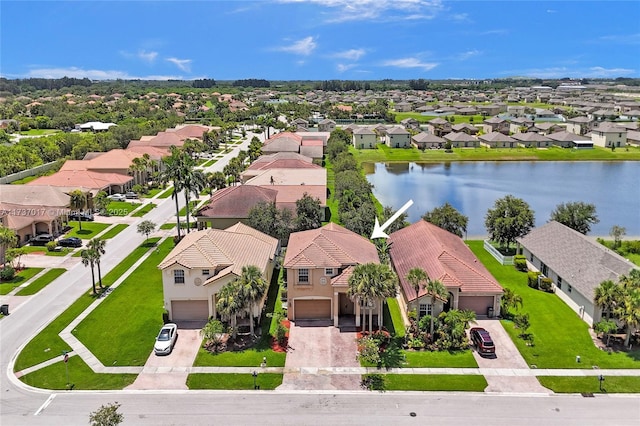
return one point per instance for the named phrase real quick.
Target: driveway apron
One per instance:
(170, 371)
(317, 345)
(507, 357)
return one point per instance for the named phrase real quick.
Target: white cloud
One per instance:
(302, 47)
(410, 63)
(384, 10)
(468, 54)
(75, 72)
(561, 72)
(622, 38)
(183, 64)
(147, 56)
(345, 67)
(494, 32)
(351, 54)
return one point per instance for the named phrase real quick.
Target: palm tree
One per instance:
(7, 240)
(437, 290)
(96, 246)
(215, 181)
(78, 201)
(254, 287)
(230, 303)
(174, 172)
(628, 307)
(371, 283)
(88, 260)
(607, 296)
(416, 277)
(510, 299)
(193, 182)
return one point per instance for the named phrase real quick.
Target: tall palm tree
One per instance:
(215, 181)
(96, 246)
(78, 201)
(437, 290)
(510, 299)
(628, 307)
(7, 240)
(173, 171)
(254, 287)
(231, 302)
(371, 283)
(193, 182)
(417, 277)
(88, 260)
(607, 296)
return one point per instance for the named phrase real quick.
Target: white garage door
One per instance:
(478, 304)
(189, 310)
(312, 309)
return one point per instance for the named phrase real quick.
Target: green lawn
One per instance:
(47, 344)
(114, 231)
(20, 277)
(39, 132)
(24, 180)
(166, 193)
(392, 317)
(439, 359)
(332, 203)
(89, 229)
(192, 203)
(266, 381)
(384, 153)
(168, 225)
(80, 376)
(560, 335)
(121, 208)
(144, 210)
(209, 163)
(138, 305)
(611, 384)
(42, 249)
(41, 282)
(457, 119)
(419, 382)
(152, 193)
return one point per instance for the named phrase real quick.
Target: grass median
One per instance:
(21, 277)
(89, 230)
(41, 282)
(611, 384)
(433, 382)
(233, 381)
(112, 232)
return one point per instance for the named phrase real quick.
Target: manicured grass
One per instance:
(24, 180)
(80, 376)
(114, 231)
(42, 249)
(47, 344)
(121, 208)
(266, 381)
(152, 193)
(41, 282)
(559, 334)
(439, 359)
(457, 119)
(210, 163)
(19, 278)
(192, 204)
(393, 318)
(383, 153)
(168, 225)
(419, 382)
(144, 210)
(611, 384)
(137, 304)
(166, 193)
(89, 229)
(332, 202)
(39, 132)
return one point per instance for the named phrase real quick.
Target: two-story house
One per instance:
(397, 137)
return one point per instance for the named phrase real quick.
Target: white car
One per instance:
(166, 339)
(117, 197)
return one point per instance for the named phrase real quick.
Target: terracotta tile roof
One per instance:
(283, 164)
(191, 131)
(224, 251)
(312, 142)
(285, 135)
(20, 215)
(307, 176)
(34, 195)
(583, 263)
(155, 153)
(236, 201)
(331, 246)
(289, 194)
(342, 280)
(166, 139)
(443, 255)
(114, 159)
(282, 144)
(267, 158)
(82, 178)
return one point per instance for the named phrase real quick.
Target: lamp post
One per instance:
(255, 377)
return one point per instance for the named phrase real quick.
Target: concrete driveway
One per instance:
(170, 371)
(507, 357)
(315, 345)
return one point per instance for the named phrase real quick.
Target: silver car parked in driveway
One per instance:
(166, 339)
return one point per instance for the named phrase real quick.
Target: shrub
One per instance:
(532, 279)
(51, 246)
(546, 285)
(7, 273)
(373, 382)
(281, 334)
(520, 262)
(368, 350)
(521, 321)
(412, 315)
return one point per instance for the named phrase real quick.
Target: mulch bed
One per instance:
(277, 347)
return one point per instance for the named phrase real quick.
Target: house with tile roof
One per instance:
(445, 257)
(231, 205)
(280, 160)
(195, 271)
(575, 263)
(318, 265)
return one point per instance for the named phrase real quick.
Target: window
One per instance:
(178, 276)
(205, 272)
(544, 270)
(559, 283)
(425, 309)
(569, 288)
(303, 276)
(328, 272)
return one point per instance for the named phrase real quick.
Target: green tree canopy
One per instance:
(308, 213)
(448, 218)
(509, 219)
(576, 215)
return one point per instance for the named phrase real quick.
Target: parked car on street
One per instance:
(482, 341)
(116, 197)
(84, 217)
(41, 240)
(166, 339)
(70, 242)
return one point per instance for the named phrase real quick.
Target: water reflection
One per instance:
(473, 187)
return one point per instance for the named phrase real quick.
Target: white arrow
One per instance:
(378, 231)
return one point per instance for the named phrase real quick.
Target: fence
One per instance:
(29, 172)
(504, 260)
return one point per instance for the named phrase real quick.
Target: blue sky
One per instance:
(319, 39)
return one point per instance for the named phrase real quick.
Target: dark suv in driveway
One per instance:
(482, 341)
(41, 240)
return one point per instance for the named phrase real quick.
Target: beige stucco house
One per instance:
(204, 261)
(364, 138)
(609, 135)
(397, 137)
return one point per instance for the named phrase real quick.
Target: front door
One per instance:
(347, 307)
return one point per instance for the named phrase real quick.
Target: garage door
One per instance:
(478, 304)
(189, 310)
(312, 309)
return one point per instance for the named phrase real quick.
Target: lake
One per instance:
(473, 187)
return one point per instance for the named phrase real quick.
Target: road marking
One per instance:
(45, 404)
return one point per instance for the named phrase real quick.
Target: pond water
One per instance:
(473, 187)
